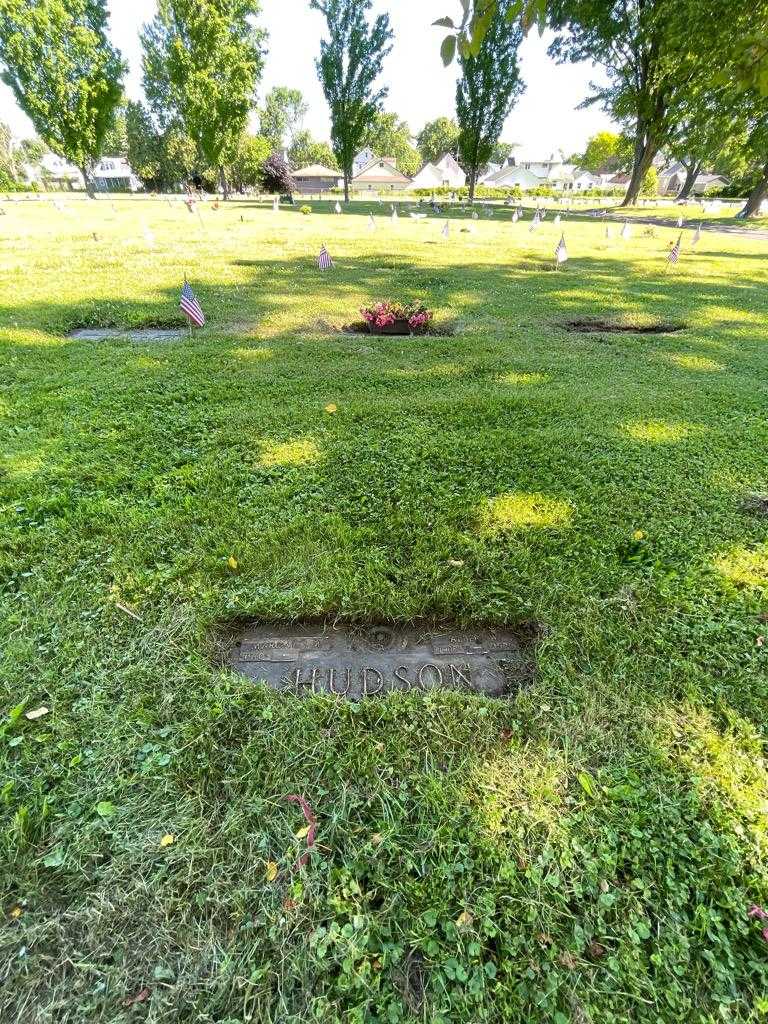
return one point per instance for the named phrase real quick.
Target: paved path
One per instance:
(669, 222)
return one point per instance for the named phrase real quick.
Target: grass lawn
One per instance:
(586, 853)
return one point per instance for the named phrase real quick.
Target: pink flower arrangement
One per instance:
(383, 314)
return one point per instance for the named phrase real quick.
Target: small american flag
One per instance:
(514, 217)
(561, 253)
(697, 235)
(674, 252)
(190, 307)
(324, 260)
(446, 230)
(337, 207)
(371, 222)
(626, 231)
(557, 221)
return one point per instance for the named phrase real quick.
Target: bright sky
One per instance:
(420, 88)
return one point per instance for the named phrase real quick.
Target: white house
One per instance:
(380, 175)
(511, 177)
(583, 180)
(54, 170)
(362, 160)
(114, 174)
(446, 173)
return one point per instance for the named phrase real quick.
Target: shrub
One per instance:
(306, 210)
(276, 175)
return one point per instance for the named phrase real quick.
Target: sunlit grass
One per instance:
(657, 431)
(515, 511)
(582, 850)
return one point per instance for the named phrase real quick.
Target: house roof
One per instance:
(367, 173)
(619, 179)
(316, 171)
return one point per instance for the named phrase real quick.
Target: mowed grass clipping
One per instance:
(587, 852)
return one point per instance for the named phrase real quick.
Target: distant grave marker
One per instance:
(357, 662)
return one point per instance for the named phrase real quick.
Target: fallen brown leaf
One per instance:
(141, 997)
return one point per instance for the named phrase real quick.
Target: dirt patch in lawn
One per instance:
(594, 325)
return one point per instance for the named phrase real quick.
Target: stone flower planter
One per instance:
(398, 327)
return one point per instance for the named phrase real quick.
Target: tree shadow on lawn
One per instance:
(159, 473)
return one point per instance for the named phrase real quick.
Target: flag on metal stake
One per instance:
(561, 253)
(371, 222)
(696, 236)
(626, 231)
(446, 230)
(324, 260)
(337, 207)
(674, 252)
(190, 307)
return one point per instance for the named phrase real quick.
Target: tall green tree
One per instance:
(163, 158)
(305, 151)
(64, 73)
(739, 56)
(284, 110)
(350, 61)
(116, 139)
(247, 167)
(387, 135)
(208, 55)
(709, 131)
(486, 91)
(437, 138)
(606, 152)
(653, 52)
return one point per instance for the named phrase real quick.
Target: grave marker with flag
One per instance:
(190, 307)
(561, 253)
(674, 252)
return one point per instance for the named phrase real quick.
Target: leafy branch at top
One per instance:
(467, 36)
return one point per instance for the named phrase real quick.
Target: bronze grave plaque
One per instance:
(354, 661)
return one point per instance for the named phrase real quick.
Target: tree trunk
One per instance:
(346, 186)
(224, 182)
(88, 181)
(645, 151)
(757, 195)
(472, 184)
(691, 174)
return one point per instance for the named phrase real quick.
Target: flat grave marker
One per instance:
(356, 662)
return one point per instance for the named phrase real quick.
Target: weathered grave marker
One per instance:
(356, 661)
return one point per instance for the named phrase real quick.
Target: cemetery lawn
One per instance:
(587, 851)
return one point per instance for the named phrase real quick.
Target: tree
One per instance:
(350, 61)
(116, 138)
(710, 129)
(8, 166)
(276, 175)
(489, 85)
(389, 136)
(650, 183)
(606, 152)
(650, 56)
(284, 110)
(64, 73)
(437, 138)
(502, 151)
(247, 168)
(162, 158)
(208, 56)
(305, 151)
(740, 57)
